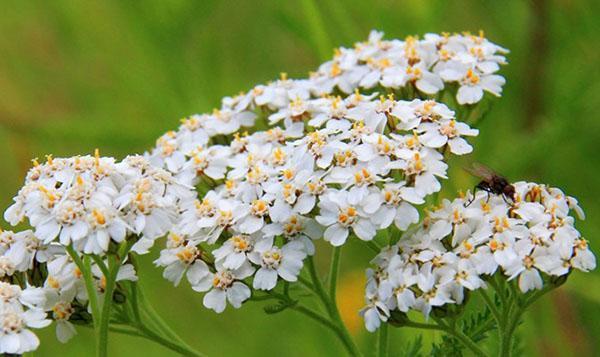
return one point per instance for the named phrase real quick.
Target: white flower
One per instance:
(285, 262)
(234, 252)
(15, 336)
(375, 311)
(440, 133)
(389, 206)
(184, 259)
(338, 215)
(223, 286)
(472, 83)
(62, 309)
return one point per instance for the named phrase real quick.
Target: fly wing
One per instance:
(480, 170)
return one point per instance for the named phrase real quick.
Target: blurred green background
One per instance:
(115, 75)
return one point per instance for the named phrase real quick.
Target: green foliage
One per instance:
(476, 326)
(413, 348)
(280, 306)
(117, 74)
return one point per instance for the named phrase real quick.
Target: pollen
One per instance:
(471, 77)
(259, 208)
(347, 216)
(288, 174)
(188, 254)
(335, 70)
(485, 207)
(53, 283)
(99, 217)
(77, 273)
(241, 243)
(229, 185)
(494, 245)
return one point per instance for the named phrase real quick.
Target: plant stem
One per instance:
(333, 271)
(145, 317)
(332, 309)
(383, 341)
(85, 268)
(153, 336)
(113, 269)
(373, 246)
(423, 326)
(315, 316)
(144, 307)
(490, 304)
(316, 283)
(514, 318)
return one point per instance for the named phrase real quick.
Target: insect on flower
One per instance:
(491, 182)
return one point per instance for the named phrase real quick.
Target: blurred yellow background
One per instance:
(115, 75)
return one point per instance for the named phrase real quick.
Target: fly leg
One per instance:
(467, 204)
(506, 200)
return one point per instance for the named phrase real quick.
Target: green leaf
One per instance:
(280, 306)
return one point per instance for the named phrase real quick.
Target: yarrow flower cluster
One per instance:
(90, 201)
(242, 193)
(460, 245)
(467, 61)
(333, 167)
(411, 68)
(328, 164)
(84, 202)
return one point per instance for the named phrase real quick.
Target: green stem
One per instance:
(333, 271)
(309, 313)
(154, 337)
(143, 307)
(85, 268)
(157, 321)
(307, 284)
(498, 287)
(331, 306)
(113, 269)
(145, 317)
(315, 316)
(514, 318)
(317, 285)
(383, 341)
(491, 305)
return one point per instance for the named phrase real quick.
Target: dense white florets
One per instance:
(459, 245)
(90, 201)
(333, 168)
(296, 160)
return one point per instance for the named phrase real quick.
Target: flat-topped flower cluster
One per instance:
(242, 192)
(463, 242)
(413, 68)
(321, 159)
(335, 167)
(431, 64)
(83, 202)
(89, 201)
